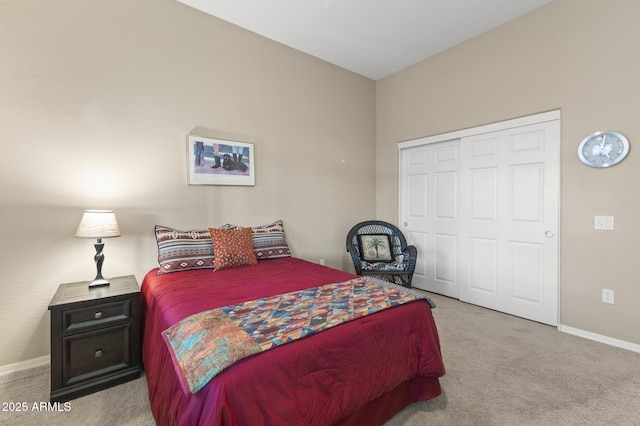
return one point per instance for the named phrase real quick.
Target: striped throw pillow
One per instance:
(269, 241)
(183, 250)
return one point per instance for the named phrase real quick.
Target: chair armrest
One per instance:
(355, 257)
(411, 251)
(411, 256)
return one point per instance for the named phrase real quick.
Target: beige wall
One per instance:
(97, 99)
(96, 102)
(579, 56)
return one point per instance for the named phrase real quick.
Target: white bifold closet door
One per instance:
(482, 207)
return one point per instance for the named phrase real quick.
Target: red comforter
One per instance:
(361, 371)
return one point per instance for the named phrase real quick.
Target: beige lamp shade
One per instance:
(98, 224)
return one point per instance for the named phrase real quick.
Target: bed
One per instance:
(359, 372)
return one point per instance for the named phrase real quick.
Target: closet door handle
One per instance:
(549, 234)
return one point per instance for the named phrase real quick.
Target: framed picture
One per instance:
(220, 162)
(375, 247)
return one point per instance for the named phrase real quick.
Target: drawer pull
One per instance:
(98, 353)
(98, 315)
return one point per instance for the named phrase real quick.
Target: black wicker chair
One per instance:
(368, 245)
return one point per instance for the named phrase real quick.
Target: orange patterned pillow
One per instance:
(232, 248)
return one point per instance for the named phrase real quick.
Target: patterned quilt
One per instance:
(204, 344)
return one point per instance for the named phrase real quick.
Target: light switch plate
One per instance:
(603, 223)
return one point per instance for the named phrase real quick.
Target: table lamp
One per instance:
(98, 224)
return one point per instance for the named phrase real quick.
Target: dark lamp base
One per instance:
(98, 283)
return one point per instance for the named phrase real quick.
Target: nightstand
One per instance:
(95, 337)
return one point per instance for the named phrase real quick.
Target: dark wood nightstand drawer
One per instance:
(90, 355)
(104, 313)
(95, 337)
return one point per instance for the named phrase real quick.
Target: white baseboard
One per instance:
(599, 338)
(25, 365)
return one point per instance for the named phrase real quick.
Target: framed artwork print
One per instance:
(375, 247)
(220, 162)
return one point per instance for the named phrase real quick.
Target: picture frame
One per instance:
(375, 247)
(219, 162)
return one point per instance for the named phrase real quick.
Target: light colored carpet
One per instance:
(501, 370)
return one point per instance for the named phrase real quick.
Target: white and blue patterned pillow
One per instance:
(383, 266)
(183, 250)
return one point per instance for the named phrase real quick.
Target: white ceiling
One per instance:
(374, 38)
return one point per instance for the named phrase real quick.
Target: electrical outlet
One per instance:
(607, 296)
(604, 223)
(322, 261)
